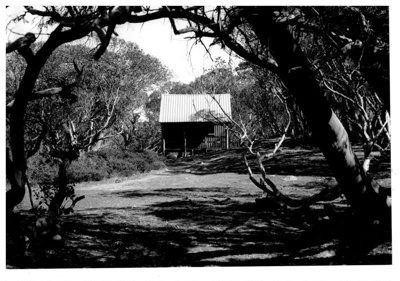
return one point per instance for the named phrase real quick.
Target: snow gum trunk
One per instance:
(361, 191)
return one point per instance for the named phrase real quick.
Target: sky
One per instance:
(185, 59)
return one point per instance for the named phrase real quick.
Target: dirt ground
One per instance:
(202, 211)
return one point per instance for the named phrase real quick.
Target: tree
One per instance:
(362, 111)
(361, 34)
(66, 121)
(344, 70)
(110, 89)
(362, 193)
(178, 88)
(72, 23)
(265, 36)
(125, 75)
(265, 97)
(259, 108)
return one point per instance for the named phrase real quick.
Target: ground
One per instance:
(202, 211)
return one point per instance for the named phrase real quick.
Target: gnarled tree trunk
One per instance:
(16, 159)
(362, 193)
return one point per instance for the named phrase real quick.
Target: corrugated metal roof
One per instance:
(194, 108)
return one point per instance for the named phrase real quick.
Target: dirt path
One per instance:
(202, 212)
(159, 186)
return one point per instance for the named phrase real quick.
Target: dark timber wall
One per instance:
(192, 136)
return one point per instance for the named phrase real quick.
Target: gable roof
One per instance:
(195, 108)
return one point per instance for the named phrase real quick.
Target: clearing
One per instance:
(202, 211)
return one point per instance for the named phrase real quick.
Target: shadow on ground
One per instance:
(208, 226)
(201, 232)
(298, 161)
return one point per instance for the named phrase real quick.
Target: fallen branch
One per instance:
(76, 200)
(266, 185)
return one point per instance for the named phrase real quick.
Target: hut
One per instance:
(194, 122)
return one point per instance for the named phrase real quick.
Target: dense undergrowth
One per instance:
(95, 165)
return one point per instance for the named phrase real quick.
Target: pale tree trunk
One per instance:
(362, 193)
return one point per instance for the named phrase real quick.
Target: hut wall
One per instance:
(196, 135)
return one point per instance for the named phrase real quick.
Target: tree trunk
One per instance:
(55, 206)
(361, 192)
(16, 164)
(48, 225)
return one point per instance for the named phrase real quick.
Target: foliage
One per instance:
(88, 169)
(15, 66)
(112, 162)
(79, 118)
(45, 194)
(144, 130)
(327, 36)
(94, 166)
(257, 97)
(355, 80)
(43, 172)
(289, 41)
(145, 135)
(110, 91)
(42, 169)
(292, 42)
(219, 79)
(179, 88)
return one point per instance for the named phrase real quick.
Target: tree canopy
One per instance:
(299, 46)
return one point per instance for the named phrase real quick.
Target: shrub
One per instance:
(157, 165)
(96, 165)
(86, 169)
(121, 167)
(156, 162)
(45, 194)
(42, 169)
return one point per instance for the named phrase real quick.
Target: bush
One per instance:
(96, 165)
(42, 169)
(86, 169)
(156, 161)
